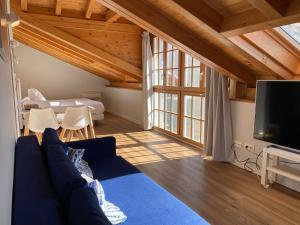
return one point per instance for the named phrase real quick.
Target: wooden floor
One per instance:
(219, 192)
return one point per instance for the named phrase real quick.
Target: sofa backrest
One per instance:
(35, 201)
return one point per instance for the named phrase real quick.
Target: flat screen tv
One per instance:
(277, 113)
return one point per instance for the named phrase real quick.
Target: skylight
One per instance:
(293, 30)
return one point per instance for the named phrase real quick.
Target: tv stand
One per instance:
(274, 167)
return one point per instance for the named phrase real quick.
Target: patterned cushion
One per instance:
(84, 168)
(111, 211)
(75, 156)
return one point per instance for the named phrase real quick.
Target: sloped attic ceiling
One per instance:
(95, 35)
(82, 33)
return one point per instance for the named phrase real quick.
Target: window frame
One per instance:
(180, 90)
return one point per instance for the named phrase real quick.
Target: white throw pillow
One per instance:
(35, 95)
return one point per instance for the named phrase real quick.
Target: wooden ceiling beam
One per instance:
(275, 69)
(111, 16)
(199, 12)
(58, 7)
(89, 9)
(127, 85)
(62, 56)
(150, 19)
(24, 5)
(270, 8)
(104, 57)
(75, 23)
(56, 45)
(252, 20)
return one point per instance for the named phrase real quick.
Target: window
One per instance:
(293, 30)
(166, 111)
(178, 92)
(193, 117)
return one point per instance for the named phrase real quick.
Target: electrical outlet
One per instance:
(237, 144)
(249, 147)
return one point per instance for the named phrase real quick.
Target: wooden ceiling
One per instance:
(236, 36)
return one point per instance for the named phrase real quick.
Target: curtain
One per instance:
(218, 127)
(147, 81)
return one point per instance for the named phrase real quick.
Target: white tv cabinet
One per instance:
(274, 168)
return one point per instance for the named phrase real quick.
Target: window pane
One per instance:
(155, 82)
(196, 62)
(169, 77)
(155, 41)
(161, 101)
(187, 127)
(174, 123)
(169, 60)
(161, 119)
(161, 45)
(169, 47)
(161, 60)
(156, 118)
(155, 61)
(196, 77)
(196, 107)
(175, 59)
(174, 103)
(168, 121)
(160, 78)
(156, 100)
(168, 102)
(188, 60)
(196, 130)
(187, 105)
(188, 77)
(175, 77)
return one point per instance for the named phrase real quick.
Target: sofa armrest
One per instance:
(96, 149)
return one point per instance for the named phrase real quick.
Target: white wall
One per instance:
(243, 115)
(125, 103)
(55, 78)
(7, 142)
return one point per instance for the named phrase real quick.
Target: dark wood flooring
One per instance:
(219, 192)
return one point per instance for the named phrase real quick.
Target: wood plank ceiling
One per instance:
(236, 36)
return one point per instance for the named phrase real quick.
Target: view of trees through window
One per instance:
(179, 92)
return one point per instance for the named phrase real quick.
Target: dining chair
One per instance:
(40, 119)
(75, 120)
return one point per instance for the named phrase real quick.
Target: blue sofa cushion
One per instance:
(35, 200)
(141, 199)
(50, 137)
(84, 208)
(65, 176)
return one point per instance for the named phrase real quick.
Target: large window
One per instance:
(178, 92)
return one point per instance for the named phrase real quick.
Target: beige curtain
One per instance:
(147, 81)
(218, 127)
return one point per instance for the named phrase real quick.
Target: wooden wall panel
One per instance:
(127, 46)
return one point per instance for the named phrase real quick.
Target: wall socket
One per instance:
(237, 144)
(249, 147)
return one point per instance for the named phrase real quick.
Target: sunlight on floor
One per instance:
(138, 155)
(146, 136)
(147, 147)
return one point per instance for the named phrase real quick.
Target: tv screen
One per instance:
(277, 114)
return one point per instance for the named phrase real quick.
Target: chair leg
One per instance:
(62, 134)
(80, 135)
(86, 133)
(70, 135)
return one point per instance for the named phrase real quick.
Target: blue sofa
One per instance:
(36, 202)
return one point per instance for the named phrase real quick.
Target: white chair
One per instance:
(75, 119)
(40, 119)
